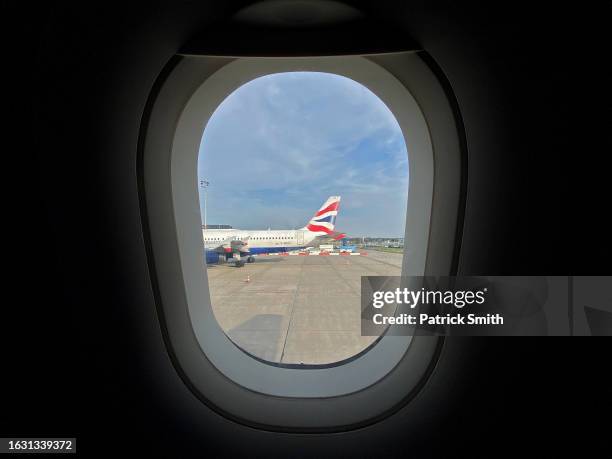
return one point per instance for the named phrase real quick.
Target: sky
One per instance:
(280, 145)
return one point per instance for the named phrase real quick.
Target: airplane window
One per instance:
(321, 156)
(274, 340)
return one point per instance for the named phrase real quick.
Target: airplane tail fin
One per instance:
(324, 220)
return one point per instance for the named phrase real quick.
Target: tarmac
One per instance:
(297, 309)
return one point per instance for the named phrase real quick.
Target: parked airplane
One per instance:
(235, 243)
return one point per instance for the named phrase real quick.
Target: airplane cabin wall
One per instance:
(92, 69)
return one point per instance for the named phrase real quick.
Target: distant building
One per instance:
(395, 242)
(217, 227)
(324, 241)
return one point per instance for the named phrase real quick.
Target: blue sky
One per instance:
(280, 145)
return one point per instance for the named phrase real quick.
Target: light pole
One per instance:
(204, 184)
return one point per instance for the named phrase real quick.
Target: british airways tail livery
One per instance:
(324, 221)
(236, 243)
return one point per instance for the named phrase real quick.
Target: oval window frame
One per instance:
(377, 379)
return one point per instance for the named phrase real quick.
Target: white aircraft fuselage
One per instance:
(236, 243)
(258, 241)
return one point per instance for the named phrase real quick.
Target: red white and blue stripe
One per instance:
(324, 221)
